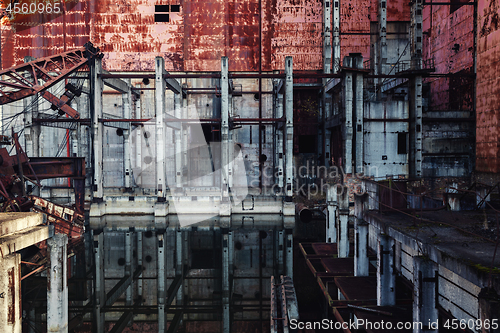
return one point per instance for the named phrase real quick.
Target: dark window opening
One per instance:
(402, 143)
(162, 17)
(307, 144)
(202, 259)
(456, 6)
(211, 132)
(162, 8)
(175, 8)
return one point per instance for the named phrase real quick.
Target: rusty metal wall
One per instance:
(488, 87)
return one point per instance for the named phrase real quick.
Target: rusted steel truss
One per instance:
(37, 76)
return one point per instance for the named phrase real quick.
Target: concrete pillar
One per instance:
(424, 298)
(225, 125)
(127, 114)
(289, 253)
(161, 284)
(416, 90)
(185, 137)
(359, 109)
(128, 266)
(386, 277)
(361, 263)
(226, 319)
(179, 267)
(139, 264)
(98, 127)
(343, 223)
(10, 292)
(382, 25)
(279, 146)
(289, 127)
(348, 130)
(99, 287)
(178, 141)
(328, 133)
(327, 59)
(160, 87)
(336, 36)
(57, 284)
(332, 214)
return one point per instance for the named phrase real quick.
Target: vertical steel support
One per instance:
(343, 223)
(348, 132)
(361, 262)
(57, 288)
(32, 130)
(386, 277)
(128, 266)
(416, 90)
(225, 126)
(98, 128)
(99, 287)
(289, 127)
(161, 284)
(10, 302)
(178, 141)
(226, 320)
(359, 121)
(327, 61)
(424, 300)
(327, 44)
(332, 214)
(289, 253)
(160, 87)
(127, 114)
(185, 141)
(336, 36)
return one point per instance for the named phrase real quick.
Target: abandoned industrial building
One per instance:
(250, 166)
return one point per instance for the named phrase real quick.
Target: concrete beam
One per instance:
(172, 84)
(57, 289)
(23, 239)
(10, 288)
(118, 84)
(13, 222)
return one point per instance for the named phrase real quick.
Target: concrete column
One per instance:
(99, 287)
(127, 114)
(178, 141)
(289, 253)
(332, 214)
(128, 266)
(289, 127)
(327, 59)
(343, 223)
(160, 87)
(361, 262)
(424, 298)
(139, 264)
(10, 290)
(359, 120)
(328, 133)
(382, 25)
(416, 90)
(226, 319)
(179, 264)
(98, 127)
(185, 140)
(386, 277)
(225, 125)
(57, 284)
(336, 35)
(161, 284)
(348, 131)
(281, 252)
(279, 146)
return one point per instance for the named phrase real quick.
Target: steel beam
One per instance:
(226, 315)
(99, 287)
(162, 324)
(98, 128)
